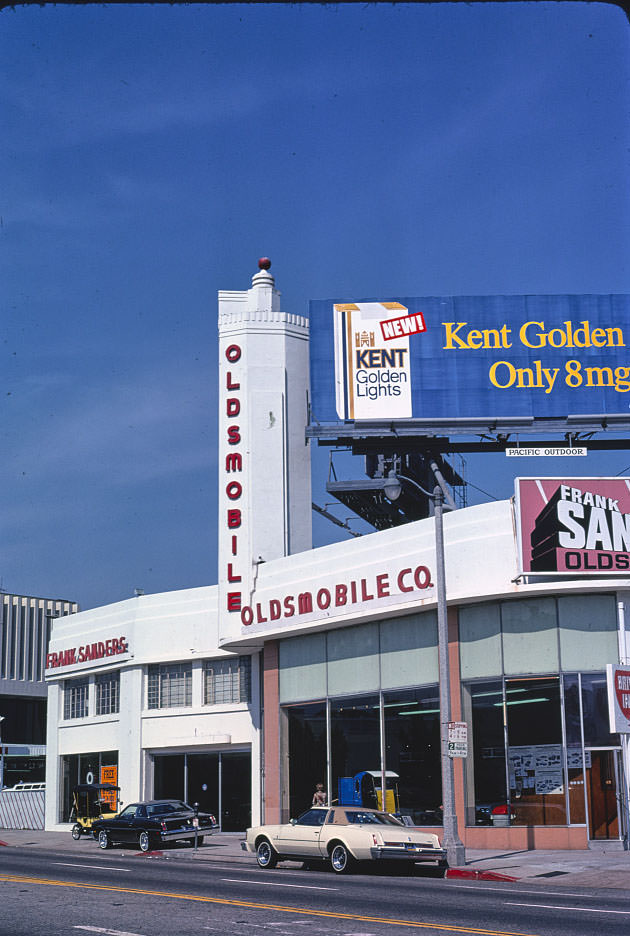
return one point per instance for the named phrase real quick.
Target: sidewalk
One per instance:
(605, 865)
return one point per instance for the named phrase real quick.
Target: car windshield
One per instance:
(160, 809)
(371, 818)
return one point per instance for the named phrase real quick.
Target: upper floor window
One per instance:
(107, 687)
(169, 685)
(227, 680)
(75, 698)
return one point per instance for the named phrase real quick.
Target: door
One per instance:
(302, 837)
(602, 790)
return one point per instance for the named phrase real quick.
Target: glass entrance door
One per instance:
(602, 789)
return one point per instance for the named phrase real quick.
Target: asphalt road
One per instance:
(128, 894)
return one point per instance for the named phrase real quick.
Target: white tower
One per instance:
(264, 461)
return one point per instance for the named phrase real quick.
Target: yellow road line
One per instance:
(16, 879)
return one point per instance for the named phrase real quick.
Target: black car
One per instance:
(153, 823)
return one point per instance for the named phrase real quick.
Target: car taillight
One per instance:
(213, 821)
(163, 824)
(374, 840)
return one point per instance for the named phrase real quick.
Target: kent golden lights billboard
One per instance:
(470, 357)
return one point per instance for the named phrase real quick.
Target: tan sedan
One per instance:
(342, 835)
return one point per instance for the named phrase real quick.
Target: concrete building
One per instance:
(25, 629)
(309, 665)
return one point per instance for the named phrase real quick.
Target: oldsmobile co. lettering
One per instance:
(94, 651)
(233, 486)
(339, 595)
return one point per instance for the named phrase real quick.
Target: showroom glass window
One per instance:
(486, 780)
(412, 740)
(107, 693)
(354, 737)
(535, 755)
(169, 685)
(305, 730)
(227, 680)
(75, 698)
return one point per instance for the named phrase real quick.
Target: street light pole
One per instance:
(455, 850)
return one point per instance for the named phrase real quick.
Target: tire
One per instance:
(266, 855)
(144, 841)
(340, 859)
(199, 841)
(76, 832)
(103, 839)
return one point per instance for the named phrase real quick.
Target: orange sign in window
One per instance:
(110, 775)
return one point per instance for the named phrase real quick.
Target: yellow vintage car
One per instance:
(343, 836)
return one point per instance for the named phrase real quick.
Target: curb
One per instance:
(470, 875)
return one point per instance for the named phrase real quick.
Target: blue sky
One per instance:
(150, 155)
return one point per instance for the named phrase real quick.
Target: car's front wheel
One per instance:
(76, 832)
(103, 839)
(266, 855)
(341, 859)
(144, 841)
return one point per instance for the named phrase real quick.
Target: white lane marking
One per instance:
(107, 932)
(502, 890)
(277, 884)
(70, 864)
(577, 909)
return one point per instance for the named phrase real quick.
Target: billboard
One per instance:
(470, 357)
(576, 526)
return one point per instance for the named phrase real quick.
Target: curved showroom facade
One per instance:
(340, 644)
(350, 670)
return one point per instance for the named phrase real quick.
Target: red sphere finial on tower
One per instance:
(264, 263)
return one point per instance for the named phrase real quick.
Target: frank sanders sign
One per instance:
(340, 596)
(574, 525)
(94, 651)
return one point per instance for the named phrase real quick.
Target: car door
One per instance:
(301, 838)
(122, 827)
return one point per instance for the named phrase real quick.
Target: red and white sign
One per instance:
(325, 600)
(402, 325)
(233, 477)
(576, 526)
(97, 650)
(618, 678)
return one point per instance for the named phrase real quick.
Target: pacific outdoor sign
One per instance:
(470, 356)
(579, 526)
(97, 650)
(618, 679)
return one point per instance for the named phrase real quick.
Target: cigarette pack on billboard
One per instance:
(372, 365)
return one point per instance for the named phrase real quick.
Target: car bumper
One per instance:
(186, 832)
(407, 854)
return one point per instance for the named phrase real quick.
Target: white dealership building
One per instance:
(306, 665)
